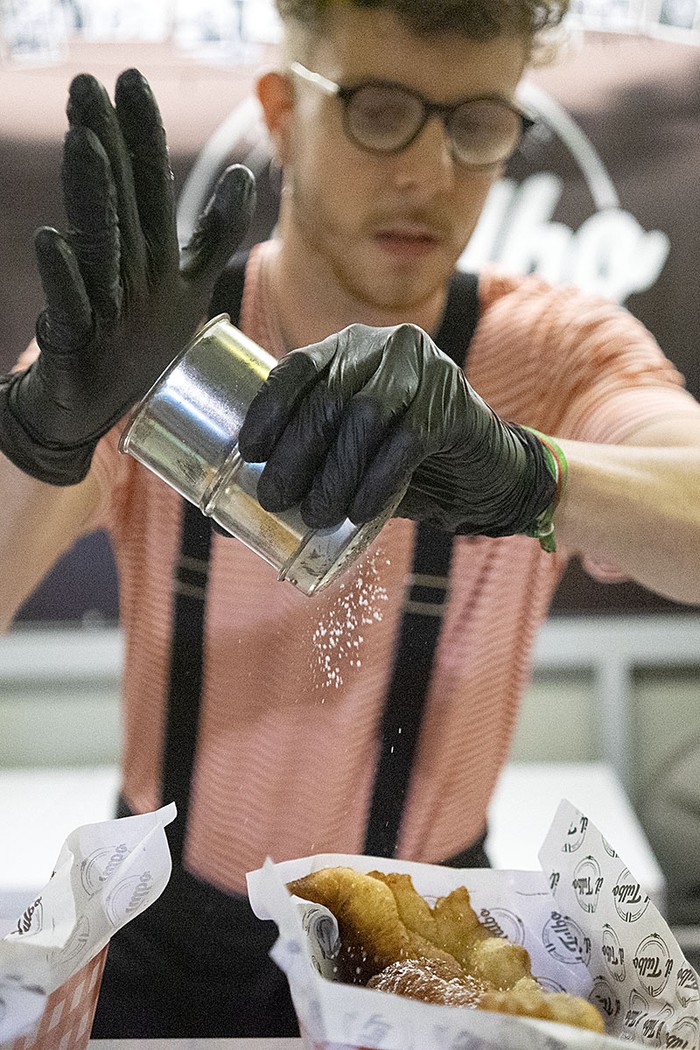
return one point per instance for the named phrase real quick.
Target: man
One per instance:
(391, 121)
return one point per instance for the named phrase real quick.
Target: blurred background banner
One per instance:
(669, 19)
(41, 31)
(604, 195)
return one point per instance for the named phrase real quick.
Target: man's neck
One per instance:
(311, 304)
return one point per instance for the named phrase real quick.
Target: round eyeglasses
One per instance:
(385, 117)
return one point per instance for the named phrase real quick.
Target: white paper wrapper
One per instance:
(642, 982)
(566, 955)
(104, 876)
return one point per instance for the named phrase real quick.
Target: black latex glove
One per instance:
(121, 300)
(346, 423)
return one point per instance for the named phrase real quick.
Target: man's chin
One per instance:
(391, 288)
(403, 296)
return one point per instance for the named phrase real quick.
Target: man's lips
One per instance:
(407, 239)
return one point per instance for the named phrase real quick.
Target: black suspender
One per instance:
(416, 644)
(424, 603)
(187, 644)
(186, 666)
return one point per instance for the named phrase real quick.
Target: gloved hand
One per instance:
(121, 300)
(346, 423)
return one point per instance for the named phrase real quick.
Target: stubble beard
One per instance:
(338, 251)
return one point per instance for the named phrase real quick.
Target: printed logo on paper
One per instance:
(608, 848)
(31, 919)
(77, 942)
(564, 940)
(653, 964)
(613, 953)
(468, 1041)
(100, 865)
(375, 1030)
(444, 1038)
(502, 922)
(322, 931)
(655, 1027)
(684, 1034)
(630, 900)
(637, 1011)
(575, 835)
(587, 884)
(687, 985)
(549, 985)
(128, 897)
(603, 996)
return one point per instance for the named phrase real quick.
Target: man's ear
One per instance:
(276, 96)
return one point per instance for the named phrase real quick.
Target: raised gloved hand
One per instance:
(122, 301)
(346, 423)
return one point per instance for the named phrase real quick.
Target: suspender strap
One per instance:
(424, 603)
(187, 644)
(186, 664)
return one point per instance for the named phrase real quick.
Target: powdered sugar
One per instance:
(340, 634)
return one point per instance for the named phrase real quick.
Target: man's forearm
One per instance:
(637, 507)
(38, 523)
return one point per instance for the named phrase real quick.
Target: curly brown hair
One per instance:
(478, 19)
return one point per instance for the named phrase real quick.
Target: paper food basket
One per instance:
(53, 955)
(68, 1013)
(589, 929)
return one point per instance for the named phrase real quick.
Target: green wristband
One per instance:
(542, 528)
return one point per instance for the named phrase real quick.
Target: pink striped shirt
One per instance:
(294, 686)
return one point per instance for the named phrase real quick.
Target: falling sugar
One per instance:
(339, 637)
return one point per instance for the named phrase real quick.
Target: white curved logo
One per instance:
(609, 254)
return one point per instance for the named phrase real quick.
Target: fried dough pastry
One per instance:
(453, 926)
(392, 940)
(530, 1000)
(372, 934)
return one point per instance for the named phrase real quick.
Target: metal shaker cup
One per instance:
(186, 431)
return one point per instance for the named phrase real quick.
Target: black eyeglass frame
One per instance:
(440, 109)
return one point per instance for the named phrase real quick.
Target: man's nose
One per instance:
(429, 159)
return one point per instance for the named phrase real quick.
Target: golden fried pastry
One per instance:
(498, 961)
(529, 1000)
(453, 926)
(372, 934)
(414, 911)
(394, 941)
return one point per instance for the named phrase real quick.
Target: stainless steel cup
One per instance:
(186, 431)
